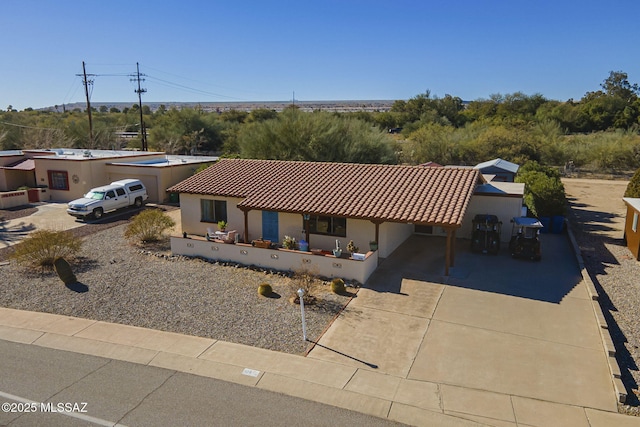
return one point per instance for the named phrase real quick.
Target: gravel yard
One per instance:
(153, 290)
(597, 218)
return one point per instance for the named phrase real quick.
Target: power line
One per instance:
(26, 127)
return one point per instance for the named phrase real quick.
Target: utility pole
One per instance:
(86, 83)
(139, 91)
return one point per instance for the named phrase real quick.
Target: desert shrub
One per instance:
(306, 279)
(544, 192)
(337, 286)
(42, 247)
(633, 188)
(63, 269)
(265, 289)
(148, 226)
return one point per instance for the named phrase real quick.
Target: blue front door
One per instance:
(270, 225)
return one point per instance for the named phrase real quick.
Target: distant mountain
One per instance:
(333, 106)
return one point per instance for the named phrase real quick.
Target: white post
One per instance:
(304, 325)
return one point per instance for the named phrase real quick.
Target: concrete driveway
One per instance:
(498, 341)
(50, 215)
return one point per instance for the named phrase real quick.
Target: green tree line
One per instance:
(599, 131)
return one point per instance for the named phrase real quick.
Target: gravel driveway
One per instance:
(190, 296)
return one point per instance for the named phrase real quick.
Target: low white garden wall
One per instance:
(278, 259)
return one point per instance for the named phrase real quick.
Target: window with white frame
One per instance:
(213, 210)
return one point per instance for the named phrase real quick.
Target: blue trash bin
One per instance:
(557, 224)
(546, 224)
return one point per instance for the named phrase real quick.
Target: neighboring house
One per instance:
(16, 170)
(631, 226)
(501, 170)
(321, 203)
(70, 173)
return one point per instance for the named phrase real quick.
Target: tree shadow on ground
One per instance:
(624, 358)
(14, 234)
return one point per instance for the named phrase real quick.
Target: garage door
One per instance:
(149, 181)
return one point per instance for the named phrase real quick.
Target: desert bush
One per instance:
(265, 289)
(633, 188)
(337, 286)
(543, 193)
(42, 247)
(148, 226)
(306, 279)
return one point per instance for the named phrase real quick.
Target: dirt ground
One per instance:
(597, 204)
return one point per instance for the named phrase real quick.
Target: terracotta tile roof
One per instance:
(436, 196)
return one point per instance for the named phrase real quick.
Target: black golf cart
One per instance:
(525, 238)
(485, 237)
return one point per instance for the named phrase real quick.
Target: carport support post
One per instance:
(246, 224)
(377, 238)
(449, 251)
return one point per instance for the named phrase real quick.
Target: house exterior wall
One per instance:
(392, 235)
(505, 208)
(156, 178)
(11, 179)
(360, 231)
(150, 181)
(191, 221)
(83, 173)
(632, 237)
(14, 179)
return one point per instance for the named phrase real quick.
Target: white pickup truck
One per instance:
(118, 194)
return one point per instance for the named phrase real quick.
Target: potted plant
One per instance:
(373, 245)
(222, 225)
(337, 252)
(351, 247)
(259, 243)
(289, 243)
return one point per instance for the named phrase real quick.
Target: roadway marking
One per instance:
(83, 417)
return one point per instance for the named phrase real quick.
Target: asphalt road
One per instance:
(92, 391)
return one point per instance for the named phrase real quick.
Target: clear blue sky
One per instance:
(321, 49)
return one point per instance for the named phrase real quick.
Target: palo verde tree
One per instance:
(319, 136)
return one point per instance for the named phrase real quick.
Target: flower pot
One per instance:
(337, 253)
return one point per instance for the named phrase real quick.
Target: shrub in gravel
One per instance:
(265, 289)
(306, 279)
(337, 286)
(63, 269)
(633, 188)
(149, 226)
(42, 247)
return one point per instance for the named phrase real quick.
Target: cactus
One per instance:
(63, 269)
(265, 289)
(337, 286)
